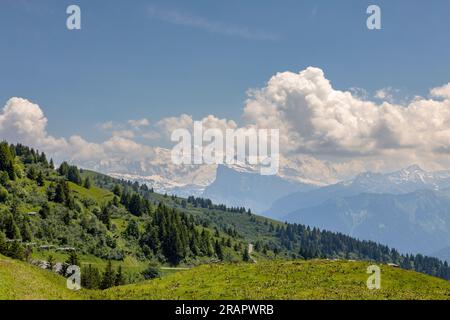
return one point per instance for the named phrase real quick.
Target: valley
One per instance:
(122, 233)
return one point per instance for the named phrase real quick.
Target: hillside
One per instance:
(397, 220)
(49, 211)
(313, 279)
(22, 281)
(116, 229)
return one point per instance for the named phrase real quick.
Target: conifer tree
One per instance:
(108, 278)
(25, 231)
(135, 205)
(27, 253)
(73, 260)
(44, 212)
(116, 190)
(90, 278)
(218, 249)
(105, 216)
(63, 169)
(73, 175)
(8, 224)
(4, 178)
(3, 243)
(43, 159)
(87, 183)
(246, 255)
(7, 160)
(50, 262)
(132, 230)
(119, 280)
(16, 250)
(62, 192)
(40, 179)
(32, 173)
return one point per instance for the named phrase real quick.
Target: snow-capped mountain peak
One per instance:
(405, 180)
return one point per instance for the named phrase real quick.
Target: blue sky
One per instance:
(154, 59)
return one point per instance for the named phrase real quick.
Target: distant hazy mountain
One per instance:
(404, 181)
(157, 170)
(242, 187)
(412, 222)
(160, 173)
(181, 186)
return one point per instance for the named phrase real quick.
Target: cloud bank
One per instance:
(325, 134)
(318, 120)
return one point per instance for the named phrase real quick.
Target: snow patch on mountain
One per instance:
(405, 180)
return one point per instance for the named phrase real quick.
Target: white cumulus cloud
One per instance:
(139, 123)
(325, 134)
(23, 121)
(314, 118)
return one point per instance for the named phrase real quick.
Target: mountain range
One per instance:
(157, 171)
(408, 209)
(417, 222)
(403, 181)
(249, 189)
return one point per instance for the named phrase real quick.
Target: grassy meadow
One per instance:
(292, 280)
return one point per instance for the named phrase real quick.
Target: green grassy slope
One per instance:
(22, 281)
(314, 279)
(101, 196)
